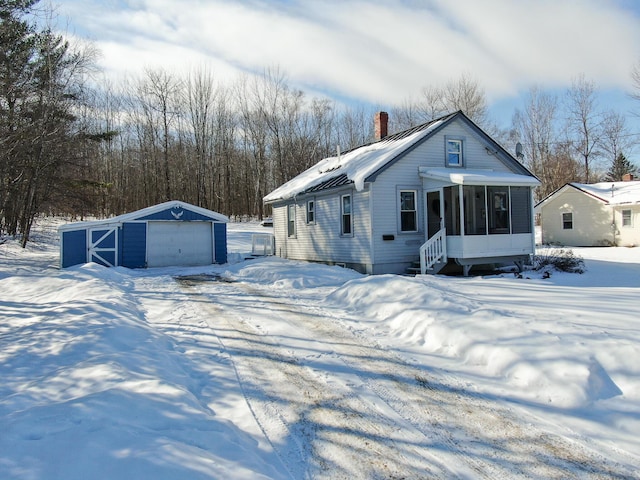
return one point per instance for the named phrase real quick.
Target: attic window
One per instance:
(453, 152)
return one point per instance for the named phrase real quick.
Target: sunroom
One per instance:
(477, 217)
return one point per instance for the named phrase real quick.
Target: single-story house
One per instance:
(171, 233)
(440, 192)
(585, 215)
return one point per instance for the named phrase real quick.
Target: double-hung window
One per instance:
(454, 152)
(567, 221)
(626, 218)
(291, 220)
(346, 215)
(311, 211)
(408, 211)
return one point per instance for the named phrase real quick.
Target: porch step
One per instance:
(414, 269)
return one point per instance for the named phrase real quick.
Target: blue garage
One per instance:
(171, 233)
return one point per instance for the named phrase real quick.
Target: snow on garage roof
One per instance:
(218, 217)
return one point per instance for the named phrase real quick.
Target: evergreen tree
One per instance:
(41, 80)
(619, 167)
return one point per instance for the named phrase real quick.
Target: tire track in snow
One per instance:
(317, 423)
(335, 405)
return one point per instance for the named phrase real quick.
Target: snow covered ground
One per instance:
(275, 369)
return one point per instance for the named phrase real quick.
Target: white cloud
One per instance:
(375, 51)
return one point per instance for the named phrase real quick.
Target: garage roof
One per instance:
(176, 207)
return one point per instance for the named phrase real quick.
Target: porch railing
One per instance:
(433, 251)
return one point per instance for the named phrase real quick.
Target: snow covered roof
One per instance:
(356, 165)
(479, 177)
(612, 193)
(146, 212)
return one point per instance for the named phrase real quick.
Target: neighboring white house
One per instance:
(585, 215)
(440, 191)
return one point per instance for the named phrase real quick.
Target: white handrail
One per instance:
(433, 251)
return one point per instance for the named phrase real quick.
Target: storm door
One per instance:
(434, 209)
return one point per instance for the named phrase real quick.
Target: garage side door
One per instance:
(179, 243)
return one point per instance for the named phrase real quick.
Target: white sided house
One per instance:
(598, 214)
(438, 193)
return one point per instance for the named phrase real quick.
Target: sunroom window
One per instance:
(498, 199)
(475, 210)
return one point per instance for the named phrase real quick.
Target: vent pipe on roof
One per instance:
(380, 123)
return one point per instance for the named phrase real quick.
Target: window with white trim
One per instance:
(311, 211)
(626, 218)
(346, 227)
(291, 220)
(408, 211)
(567, 221)
(454, 152)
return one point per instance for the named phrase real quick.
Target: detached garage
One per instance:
(171, 233)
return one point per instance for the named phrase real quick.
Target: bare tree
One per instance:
(158, 95)
(200, 98)
(463, 93)
(535, 129)
(584, 122)
(467, 95)
(254, 143)
(635, 80)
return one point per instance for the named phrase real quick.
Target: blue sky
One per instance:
(374, 51)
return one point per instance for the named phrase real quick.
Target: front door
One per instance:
(434, 212)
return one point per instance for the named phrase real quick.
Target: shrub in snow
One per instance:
(561, 259)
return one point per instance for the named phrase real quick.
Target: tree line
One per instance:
(72, 145)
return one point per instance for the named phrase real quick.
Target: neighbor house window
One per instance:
(626, 218)
(347, 218)
(454, 152)
(408, 211)
(311, 211)
(567, 221)
(291, 220)
(498, 200)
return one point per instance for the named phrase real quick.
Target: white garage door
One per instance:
(179, 243)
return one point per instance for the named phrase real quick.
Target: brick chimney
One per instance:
(627, 177)
(380, 122)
